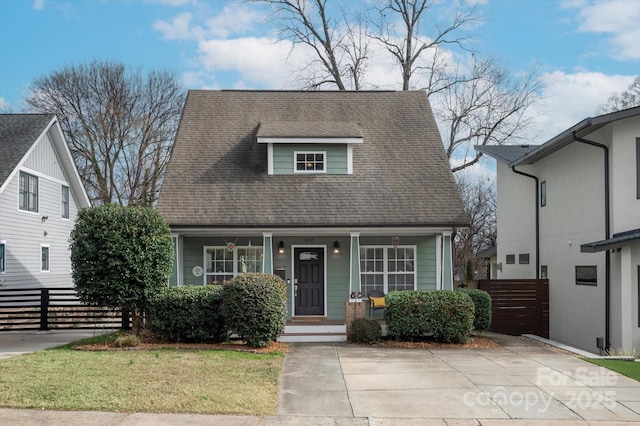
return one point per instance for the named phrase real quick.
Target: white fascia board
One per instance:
(329, 231)
(311, 140)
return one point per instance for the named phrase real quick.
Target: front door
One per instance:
(308, 266)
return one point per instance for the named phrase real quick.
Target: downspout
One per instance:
(607, 231)
(513, 168)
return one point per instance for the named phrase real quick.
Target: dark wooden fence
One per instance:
(59, 308)
(518, 306)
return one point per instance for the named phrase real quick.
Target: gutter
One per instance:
(607, 231)
(513, 168)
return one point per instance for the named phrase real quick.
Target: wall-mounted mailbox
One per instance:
(280, 272)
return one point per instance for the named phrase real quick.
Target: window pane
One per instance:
(45, 259)
(2, 258)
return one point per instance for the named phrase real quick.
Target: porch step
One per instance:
(314, 333)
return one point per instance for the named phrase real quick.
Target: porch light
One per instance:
(281, 247)
(336, 247)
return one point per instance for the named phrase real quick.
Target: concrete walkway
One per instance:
(340, 384)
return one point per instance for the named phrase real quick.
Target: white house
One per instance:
(569, 211)
(40, 195)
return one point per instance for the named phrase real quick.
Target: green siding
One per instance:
(283, 159)
(337, 270)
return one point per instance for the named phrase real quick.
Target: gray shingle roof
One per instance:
(506, 153)
(18, 132)
(217, 175)
(309, 129)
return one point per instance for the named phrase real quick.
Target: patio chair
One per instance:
(376, 302)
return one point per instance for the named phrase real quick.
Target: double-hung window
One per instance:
(222, 265)
(310, 161)
(65, 202)
(387, 268)
(28, 192)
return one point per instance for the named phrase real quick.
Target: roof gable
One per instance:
(217, 175)
(18, 133)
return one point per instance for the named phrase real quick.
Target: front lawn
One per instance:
(626, 368)
(163, 380)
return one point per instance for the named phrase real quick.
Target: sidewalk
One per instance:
(339, 384)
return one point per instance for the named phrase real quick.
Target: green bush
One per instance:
(255, 307)
(365, 330)
(120, 256)
(189, 313)
(407, 314)
(482, 303)
(447, 315)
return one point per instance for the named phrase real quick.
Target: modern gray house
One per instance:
(569, 212)
(40, 196)
(340, 193)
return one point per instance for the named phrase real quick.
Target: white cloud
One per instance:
(234, 19)
(173, 3)
(620, 19)
(567, 99)
(259, 61)
(38, 5)
(178, 28)
(4, 105)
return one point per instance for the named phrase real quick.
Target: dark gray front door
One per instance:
(309, 281)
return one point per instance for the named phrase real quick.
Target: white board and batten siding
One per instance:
(24, 233)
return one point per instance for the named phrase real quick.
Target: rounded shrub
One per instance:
(452, 316)
(189, 313)
(407, 314)
(447, 315)
(365, 330)
(482, 302)
(255, 307)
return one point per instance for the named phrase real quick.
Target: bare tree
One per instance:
(487, 109)
(628, 99)
(479, 202)
(119, 126)
(340, 46)
(410, 39)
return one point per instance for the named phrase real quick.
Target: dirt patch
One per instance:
(151, 345)
(473, 343)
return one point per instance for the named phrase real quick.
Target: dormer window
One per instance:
(295, 147)
(310, 162)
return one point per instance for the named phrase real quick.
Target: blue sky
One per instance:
(583, 49)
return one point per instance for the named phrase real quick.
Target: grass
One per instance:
(626, 368)
(167, 381)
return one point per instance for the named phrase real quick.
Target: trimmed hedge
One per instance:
(448, 315)
(189, 313)
(255, 307)
(365, 330)
(482, 302)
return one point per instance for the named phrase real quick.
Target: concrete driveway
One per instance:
(14, 343)
(521, 380)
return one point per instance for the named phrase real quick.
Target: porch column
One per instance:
(438, 262)
(267, 253)
(626, 299)
(447, 262)
(354, 264)
(176, 274)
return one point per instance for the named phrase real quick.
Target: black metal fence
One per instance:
(54, 308)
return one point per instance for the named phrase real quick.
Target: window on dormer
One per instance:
(310, 161)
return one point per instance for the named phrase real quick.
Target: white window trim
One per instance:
(236, 272)
(324, 162)
(48, 247)
(62, 216)
(3, 262)
(385, 259)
